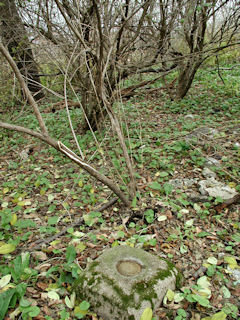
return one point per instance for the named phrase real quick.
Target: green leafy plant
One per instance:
(149, 215)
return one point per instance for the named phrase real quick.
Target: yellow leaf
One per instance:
(42, 192)
(55, 242)
(217, 316)
(24, 203)
(5, 190)
(232, 184)
(80, 183)
(147, 314)
(81, 247)
(231, 262)
(5, 204)
(92, 190)
(8, 286)
(13, 220)
(7, 248)
(79, 310)
(15, 200)
(100, 150)
(170, 295)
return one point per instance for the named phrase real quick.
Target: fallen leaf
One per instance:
(147, 314)
(39, 255)
(7, 248)
(53, 295)
(5, 280)
(212, 260)
(42, 285)
(231, 262)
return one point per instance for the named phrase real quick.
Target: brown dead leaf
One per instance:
(39, 317)
(39, 255)
(195, 316)
(42, 285)
(31, 290)
(166, 247)
(236, 292)
(46, 310)
(125, 220)
(43, 267)
(90, 245)
(169, 214)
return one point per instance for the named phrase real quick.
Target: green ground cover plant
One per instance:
(44, 193)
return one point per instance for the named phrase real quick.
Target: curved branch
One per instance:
(58, 145)
(29, 96)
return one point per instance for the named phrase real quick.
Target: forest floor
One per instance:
(42, 193)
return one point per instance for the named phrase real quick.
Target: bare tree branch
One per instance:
(29, 96)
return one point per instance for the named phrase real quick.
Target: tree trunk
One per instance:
(16, 39)
(185, 78)
(94, 110)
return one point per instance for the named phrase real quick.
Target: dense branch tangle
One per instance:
(98, 44)
(44, 136)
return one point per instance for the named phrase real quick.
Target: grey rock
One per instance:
(124, 281)
(214, 188)
(235, 273)
(212, 162)
(202, 133)
(196, 197)
(207, 173)
(182, 183)
(189, 117)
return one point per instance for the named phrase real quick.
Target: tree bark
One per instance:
(15, 37)
(186, 77)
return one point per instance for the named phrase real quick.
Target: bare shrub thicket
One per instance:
(95, 45)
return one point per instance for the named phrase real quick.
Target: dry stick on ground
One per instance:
(44, 136)
(227, 203)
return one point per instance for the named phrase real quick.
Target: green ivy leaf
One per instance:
(155, 185)
(201, 300)
(84, 305)
(226, 292)
(70, 254)
(24, 303)
(168, 188)
(34, 311)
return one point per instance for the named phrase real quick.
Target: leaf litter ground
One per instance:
(43, 194)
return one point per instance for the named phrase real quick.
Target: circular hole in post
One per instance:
(129, 268)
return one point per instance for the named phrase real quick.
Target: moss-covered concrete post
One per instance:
(124, 281)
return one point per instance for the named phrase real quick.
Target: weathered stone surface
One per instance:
(202, 133)
(212, 162)
(207, 173)
(234, 273)
(196, 197)
(182, 183)
(216, 189)
(124, 281)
